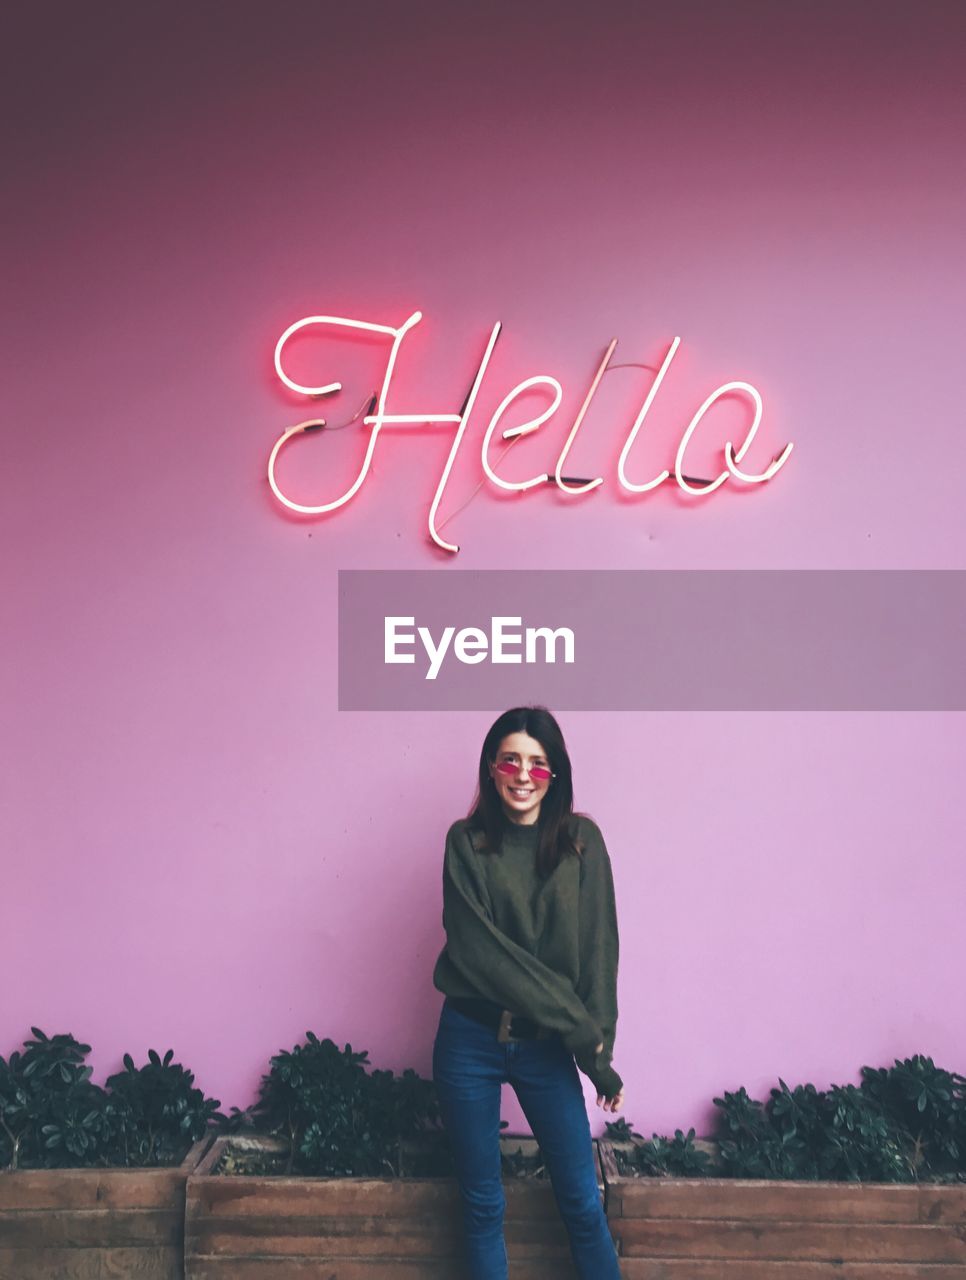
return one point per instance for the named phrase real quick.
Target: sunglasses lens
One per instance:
(536, 771)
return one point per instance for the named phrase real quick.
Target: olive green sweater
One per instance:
(546, 948)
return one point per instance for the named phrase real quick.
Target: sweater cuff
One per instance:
(601, 1075)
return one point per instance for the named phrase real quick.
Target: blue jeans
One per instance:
(469, 1066)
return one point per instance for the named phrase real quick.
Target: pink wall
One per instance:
(200, 850)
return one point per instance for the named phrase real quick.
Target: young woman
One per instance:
(529, 971)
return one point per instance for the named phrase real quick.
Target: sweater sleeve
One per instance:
(499, 968)
(599, 952)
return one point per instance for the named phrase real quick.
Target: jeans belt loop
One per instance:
(503, 1033)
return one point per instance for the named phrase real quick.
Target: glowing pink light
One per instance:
(558, 471)
(728, 387)
(639, 422)
(380, 418)
(775, 465)
(467, 410)
(524, 429)
(329, 320)
(377, 420)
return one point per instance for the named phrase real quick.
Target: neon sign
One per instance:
(377, 418)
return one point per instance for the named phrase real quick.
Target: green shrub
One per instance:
(156, 1112)
(53, 1117)
(901, 1124)
(928, 1105)
(904, 1123)
(51, 1114)
(339, 1119)
(675, 1157)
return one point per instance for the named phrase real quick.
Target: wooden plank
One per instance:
(96, 1188)
(88, 1188)
(598, 1167)
(193, 1158)
(91, 1228)
(241, 1196)
(254, 1230)
(509, 1145)
(404, 1242)
(942, 1203)
(607, 1162)
(90, 1264)
(805, 1241)
(765, 1201)
(386, 1269)
(246, 1196)
(214, 1154)
(774, 1198)
(323, 1251)
(721, 1269)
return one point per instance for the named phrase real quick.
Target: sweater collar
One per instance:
(518, 832)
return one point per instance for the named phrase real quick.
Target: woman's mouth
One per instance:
(521, 793)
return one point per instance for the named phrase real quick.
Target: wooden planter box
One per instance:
(743, 1229)
(290, 1228)
(94, 1224)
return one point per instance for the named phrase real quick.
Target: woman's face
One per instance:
(520, 793)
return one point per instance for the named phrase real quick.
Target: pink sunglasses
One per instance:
(538, 772)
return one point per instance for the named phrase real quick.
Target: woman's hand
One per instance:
(609, 1104)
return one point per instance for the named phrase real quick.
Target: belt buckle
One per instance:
(503, 1033)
